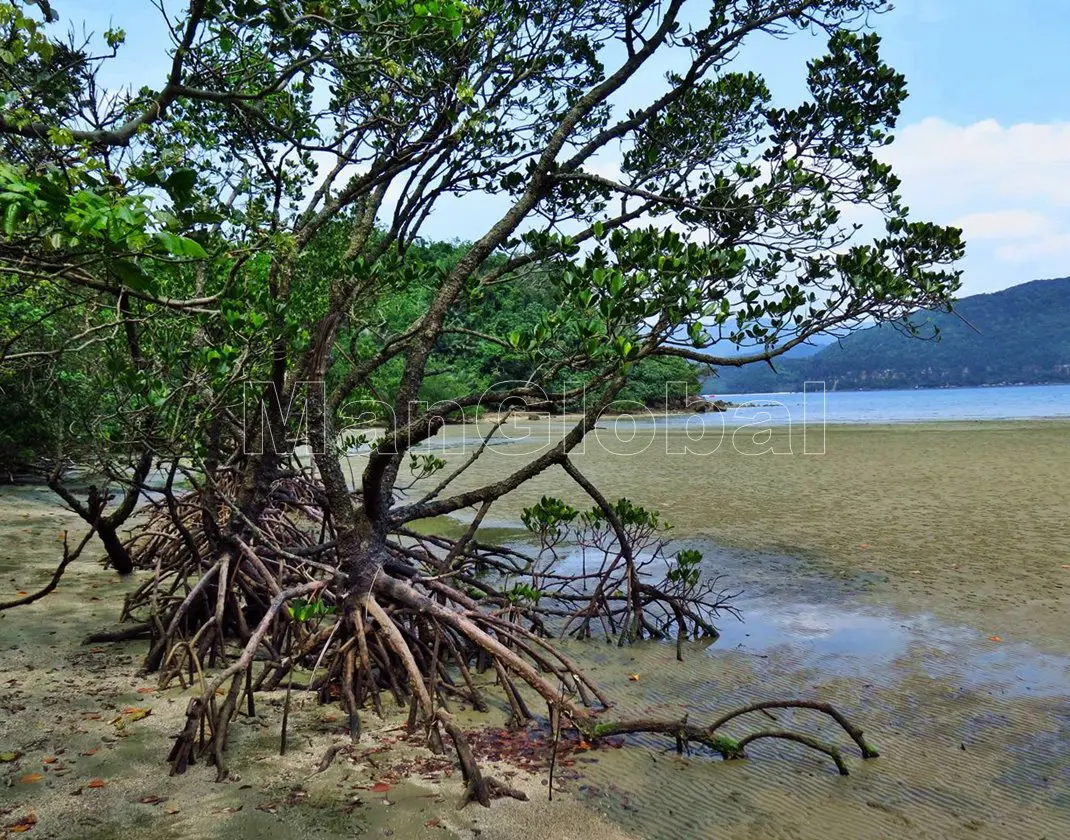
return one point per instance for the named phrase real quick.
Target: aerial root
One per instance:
(730, 748)
(406, 642)
(237, 616)
(478, 788)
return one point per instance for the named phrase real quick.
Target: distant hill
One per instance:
(1018, 335)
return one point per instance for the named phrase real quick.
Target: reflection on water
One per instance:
(974, 734)
(857, 643)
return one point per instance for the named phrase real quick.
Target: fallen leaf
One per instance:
(96, 783)
(994, 639)
(229, 809)
(24, 823)
(583, 745)
(22, 594)
(633, 677)
(93, 751)
(49, 759)
(152, 800)
(146, 689)
(6, 757)
(171, 810)
(864, 546)
(381, 787)
(432, 824)
(31, 778)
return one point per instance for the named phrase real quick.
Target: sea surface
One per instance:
(1012, 402)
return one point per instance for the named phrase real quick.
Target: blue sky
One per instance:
(983, 142)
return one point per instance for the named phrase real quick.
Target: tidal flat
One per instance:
(963, 520)
(914, 575)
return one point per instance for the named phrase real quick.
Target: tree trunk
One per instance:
(118, 556)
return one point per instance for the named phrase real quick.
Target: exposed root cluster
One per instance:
(241, 620)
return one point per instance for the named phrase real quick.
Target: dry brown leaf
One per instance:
(96, 783)
(31, 778)
(49, 759)
(23, 823)
(93, 751)
(994, 639)
(633, 677)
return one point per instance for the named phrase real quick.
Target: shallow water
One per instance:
(875, 575)
(855, 642)
(974, 735)
(1013, 402)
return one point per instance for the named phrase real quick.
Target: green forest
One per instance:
(479, 351)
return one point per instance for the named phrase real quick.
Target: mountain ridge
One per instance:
(1018, 335)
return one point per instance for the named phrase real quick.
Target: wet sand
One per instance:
(962, 520)
(89, 767)
(875, 576)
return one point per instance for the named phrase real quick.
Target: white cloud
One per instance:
(1007, 187)
(986, 160)
(1056, 247)
(1004, 224)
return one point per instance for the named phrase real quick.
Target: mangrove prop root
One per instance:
(731, 748)
(271, 597)
(478, 788)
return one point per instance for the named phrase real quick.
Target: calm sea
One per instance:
(1004, 403)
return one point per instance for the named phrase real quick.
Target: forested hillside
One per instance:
(1018, 335)
(467, 358)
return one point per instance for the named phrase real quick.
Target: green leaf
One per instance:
(180, 183)
(11, 219)
(181, 246)
(132, 275)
